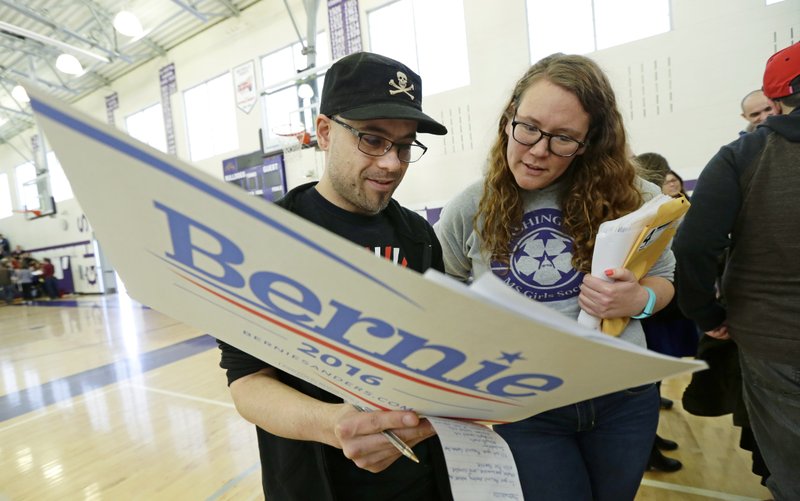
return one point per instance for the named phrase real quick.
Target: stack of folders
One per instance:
(634, 241)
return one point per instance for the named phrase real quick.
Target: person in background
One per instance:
(312, 445)
(756, 107)
(23, 276)
(745, 202)
(667, 331)
(673, 185)
(49, 283)
(7, 286)
(5, 246)
(651, 167)
(17, 253)
(558, 168)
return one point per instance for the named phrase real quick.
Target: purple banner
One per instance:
(345, 27)
(169, 86)
(112, 103)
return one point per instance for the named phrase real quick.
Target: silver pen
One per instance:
(393, 439)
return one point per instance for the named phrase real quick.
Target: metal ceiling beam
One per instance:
(231, 7)
(87, 25)
(54, 26)
(15, 112)
(191, 10)
(21, 76)
(52, 42)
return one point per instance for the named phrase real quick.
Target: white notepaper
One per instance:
(479, 461)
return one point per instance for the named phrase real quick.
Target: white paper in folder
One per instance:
(613, 244)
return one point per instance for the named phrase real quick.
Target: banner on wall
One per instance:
(320, 307)
(169, 86)
(244, 86)
(112, 104)
(345, 27)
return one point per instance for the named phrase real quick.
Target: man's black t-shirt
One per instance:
(376, 234)
(404, 478)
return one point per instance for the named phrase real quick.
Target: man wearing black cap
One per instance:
(312, 445)
(746, 201)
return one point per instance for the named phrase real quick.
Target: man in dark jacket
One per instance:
(745, 201)
(5, 246)
(312, 445)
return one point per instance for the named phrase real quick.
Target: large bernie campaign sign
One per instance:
(319, 307)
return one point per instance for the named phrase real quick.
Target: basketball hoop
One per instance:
(35, 212)
(292, 137)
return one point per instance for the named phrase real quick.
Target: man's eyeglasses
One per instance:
(558, 144)
(377, 146)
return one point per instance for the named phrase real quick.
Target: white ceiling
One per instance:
(32, 34)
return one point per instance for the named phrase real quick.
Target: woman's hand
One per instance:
(624, 296)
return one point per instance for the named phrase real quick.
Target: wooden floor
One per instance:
(101, 398)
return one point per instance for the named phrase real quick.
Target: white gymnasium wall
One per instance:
(679, 92)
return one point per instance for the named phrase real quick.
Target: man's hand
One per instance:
(281, 410)
(359, 435)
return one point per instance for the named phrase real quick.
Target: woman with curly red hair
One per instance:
(558, 168)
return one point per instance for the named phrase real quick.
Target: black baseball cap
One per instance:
(367, 86)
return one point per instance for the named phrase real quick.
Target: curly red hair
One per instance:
(600, 183)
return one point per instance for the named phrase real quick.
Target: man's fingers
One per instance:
(367, 423)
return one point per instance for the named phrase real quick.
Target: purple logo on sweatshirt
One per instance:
(541, 259)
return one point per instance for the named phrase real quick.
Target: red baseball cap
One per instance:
(782, 68)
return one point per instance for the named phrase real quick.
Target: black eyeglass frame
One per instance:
(548, 135)
(390, 143)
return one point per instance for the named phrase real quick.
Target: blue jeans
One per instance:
(7, 293)
(593, 450)
(772, 396)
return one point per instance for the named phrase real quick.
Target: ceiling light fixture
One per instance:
(69, 64)
(19, 94)
(128, 24)
(305, 91)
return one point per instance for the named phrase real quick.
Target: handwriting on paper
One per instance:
(479, 461)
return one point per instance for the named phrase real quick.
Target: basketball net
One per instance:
(35, 212)
(292, 141)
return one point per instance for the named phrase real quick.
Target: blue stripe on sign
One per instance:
(166, 168)
(31, 399)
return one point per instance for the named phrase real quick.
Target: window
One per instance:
(412, 31)
(582, 26)
(286, 106)
(27, 189)
(622, 21)
(5, 196)
(211, 118)
(59, 184)
(147, 126)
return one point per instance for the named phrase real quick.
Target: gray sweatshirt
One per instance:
(541, 261)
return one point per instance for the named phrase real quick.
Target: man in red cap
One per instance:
(745, 201)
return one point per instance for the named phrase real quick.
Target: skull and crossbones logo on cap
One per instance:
(401, 85)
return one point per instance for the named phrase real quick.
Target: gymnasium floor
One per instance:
(103, 398)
